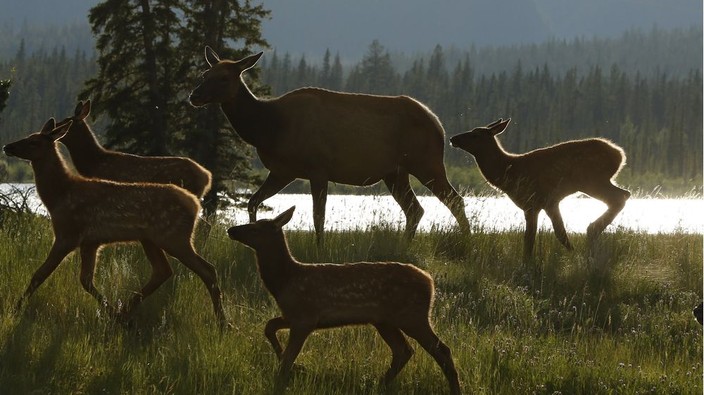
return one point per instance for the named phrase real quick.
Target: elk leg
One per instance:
(297, 336)
(426, 337)
(184, 252)
(161, 271)
(400, 349)
(271, 186)
(319, 190)
(89, 255)
(553, 212)
(402, 192)
(615, 198)
(442, 189)
(531, 216)
(58, 252)
(274, 325)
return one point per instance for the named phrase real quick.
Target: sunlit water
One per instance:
(491, 214)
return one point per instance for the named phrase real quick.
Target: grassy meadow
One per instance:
(618, 321)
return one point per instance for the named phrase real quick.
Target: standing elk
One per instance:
(92, 160)
(321, 136)
(540, 179)
(395, 298)
(87, 213)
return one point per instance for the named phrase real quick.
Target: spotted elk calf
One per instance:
(395, 298)
(87, 213)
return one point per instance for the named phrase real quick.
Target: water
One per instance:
(491, 214)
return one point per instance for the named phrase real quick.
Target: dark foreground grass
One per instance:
(618, 321)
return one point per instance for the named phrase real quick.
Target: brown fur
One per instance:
(394, 297)
(92, 160)
(321, 136)
(89, 213)
(540, 179)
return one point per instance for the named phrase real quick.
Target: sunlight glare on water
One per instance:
(491, 214)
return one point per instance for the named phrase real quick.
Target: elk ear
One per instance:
(210, 56)
(491, 125)
(59, 131)
(284, 217)
(82, 110)
(249, 62)
(499, 126)
(48, 126)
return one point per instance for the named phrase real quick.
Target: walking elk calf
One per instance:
(394, 297)
(91, 159)
(88, 213)
(540, 179)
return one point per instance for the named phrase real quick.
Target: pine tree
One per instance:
(135, 85)
(336, 77)
(4, 92)
(331, 72)
(326, 69)
(150, 56)
(209, 138)
(375, 73)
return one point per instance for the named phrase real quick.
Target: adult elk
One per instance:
(540, 179)
(87, 213)
(321, 136)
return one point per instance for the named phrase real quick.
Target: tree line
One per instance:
(148, 57)
(656, 118)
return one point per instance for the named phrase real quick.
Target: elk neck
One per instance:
(275, 264)
(253, 119)
(51, 177)
(494, 162)
(83, 146)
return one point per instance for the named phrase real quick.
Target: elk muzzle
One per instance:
(9, 150)
(235, 233)
(455, 141)
(197, 99)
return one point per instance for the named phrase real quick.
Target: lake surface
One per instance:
(491, 214)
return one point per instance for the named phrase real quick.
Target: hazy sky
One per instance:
(349, 26)
(409, 25)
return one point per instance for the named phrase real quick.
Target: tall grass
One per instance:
(616, 321)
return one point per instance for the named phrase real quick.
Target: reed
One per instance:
(617, 322)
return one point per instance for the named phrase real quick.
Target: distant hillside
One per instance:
(311, 26)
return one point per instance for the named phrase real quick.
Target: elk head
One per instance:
(35, 145)
(478, 138)
(260, 234)
(80, 113)
(222, 82)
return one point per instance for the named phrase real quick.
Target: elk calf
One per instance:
(396, 298)
(89, 213)
(92, 160)
(540, 179)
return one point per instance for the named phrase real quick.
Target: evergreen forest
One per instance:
(643, 90)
